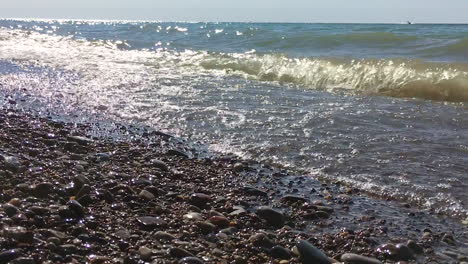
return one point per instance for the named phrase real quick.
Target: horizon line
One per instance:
(208, 21)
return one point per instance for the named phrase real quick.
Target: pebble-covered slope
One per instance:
(69, 198)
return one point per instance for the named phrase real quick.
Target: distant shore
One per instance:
(67, 197)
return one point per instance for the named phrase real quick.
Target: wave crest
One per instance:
(442, 82)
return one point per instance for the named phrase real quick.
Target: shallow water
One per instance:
(339, 101)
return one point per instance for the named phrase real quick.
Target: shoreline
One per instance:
(142, 198)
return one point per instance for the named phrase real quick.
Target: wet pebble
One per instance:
(219, 221)
(146, 195)
(280, 252)
(10, 209)
(199, 199)
(9, 255)
(179, 253)
(150, 222)
(311, 254)
(161, 235)
(206, 227)
(414, 247)
(190, 260)
(358, 259)
(43, 189)
(273, 217)
(192, 216)
(145, 253)
(11, 163)
(254, 191)
(80, 140)
(261, 240)
(159, 164)
(76, 208)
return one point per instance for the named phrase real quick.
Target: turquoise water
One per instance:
(379, 106)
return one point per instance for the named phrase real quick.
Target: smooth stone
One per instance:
(310, 254)
(404, 252)
(161, 235)
(179, 253)
(15, 201)
(80, 140)
(261, 240)
(23, 261)
(389, 251)
(414, 247)
(38, 210)
(293, 199)
(80, 180)
(19, 234)
(103, 157)
(54, 240)
(84, 190)
(280, 252)
(254, 191)
(11, 163)
(206, 227)
(150, 222)
(9, 255)
(324, 208)
(238, 210)
(190, 260)
(76, 207)
(358, 259)
(229, 231)
(145, 253)
(43, 189)
(192, 216)
(122, 234)
(273, 217)
(160, 164)
(176, 152)
(144, 194)
(219, 221)
(200, 199)
(10, 209)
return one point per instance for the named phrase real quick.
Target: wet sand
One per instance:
(72, 195)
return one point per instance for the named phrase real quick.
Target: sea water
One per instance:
(381, 107)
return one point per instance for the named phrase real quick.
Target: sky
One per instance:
(351, 11)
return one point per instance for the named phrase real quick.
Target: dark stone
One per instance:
(7, 256)
(280, 252)
(415, 247)
(293, 199)
(404, 252)
(199, 199)
(161, 235)
(76, 207)
(261, 240)
(219, 221)
(150, 222)
(11, 163)
(43, 189)
(206, 227)
(160, 165)
(23, 261)
(310, 254)
(179, 253)
(38, 210)
(84, 190)
(10, 209)
(273, 217)
(254, 191)
(350, 258)
(178, 153)
(80, 140)
(190, 260)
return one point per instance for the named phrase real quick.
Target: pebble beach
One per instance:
(146, 197)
